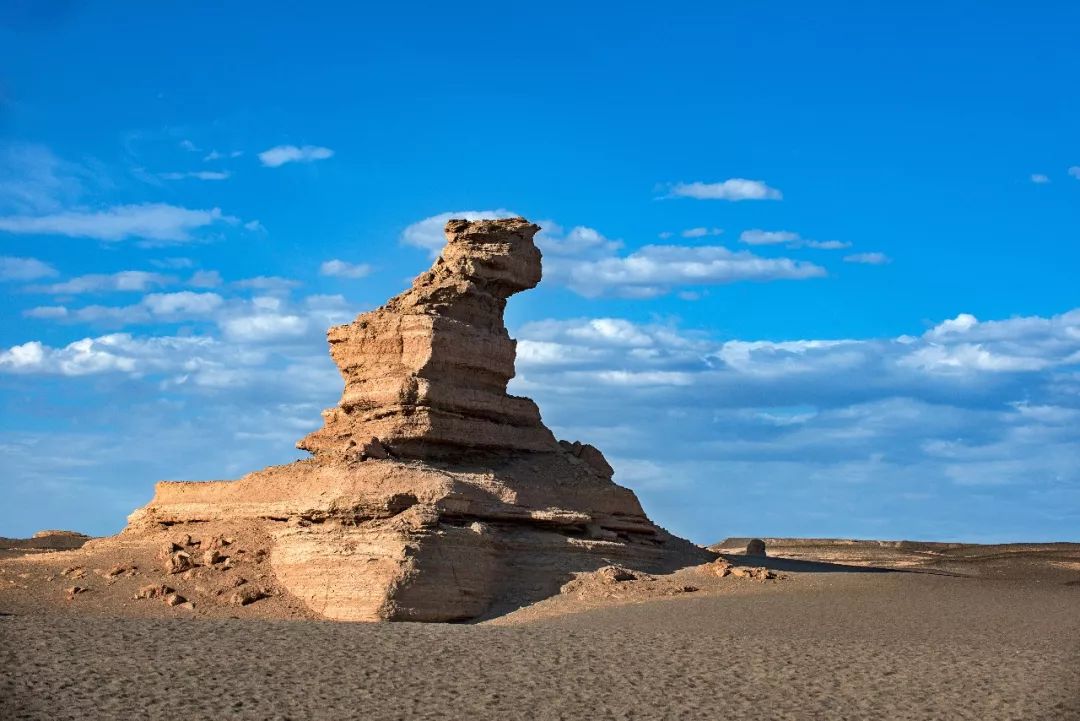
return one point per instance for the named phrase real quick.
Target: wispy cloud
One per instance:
(1074, 171)
(282, 154)
(124, 281)
(733, 189)
(12, 268)
(868, 258)
(1039, 178)
(215, 155)
(657, 269)
(149, 221)
(34, 180)
(701, 232)
(197, 175)
(767, 237)
(342, 269)
(788, 238)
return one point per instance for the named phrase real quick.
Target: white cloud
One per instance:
(215, 155)
(264, 327)
(701, 232)
(1074, 171)
(185, 303)
(868, 258)
(205, 279)
(282, 154)
(197, 175)
(657, 269)
(767, 237)
(733, 189)
(428, 233)
(1039, 178)
(190, 146)
(588, 262)
(826, 244)
(150, 221)
(172, 263)
(124, 281)
(255, 226)
(271, 283)
(342, 269)
(12, 268)
(792, 240)
(47, 312)
(579, 241)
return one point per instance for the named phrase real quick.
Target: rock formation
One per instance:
(431, 494)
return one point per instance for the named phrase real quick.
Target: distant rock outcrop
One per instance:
(432, 494)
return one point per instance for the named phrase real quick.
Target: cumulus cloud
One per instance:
(1074, 171)
(811, 423)
(342, 269)
(124, 281)
(428, 233)
(282, 154)
(149, 221)
(868, 258)
(1039, 178)
(733, 189)
(12, 268)
(117, 352)
(264, 326)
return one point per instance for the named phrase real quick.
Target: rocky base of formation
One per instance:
(432, 494)
(387, 539)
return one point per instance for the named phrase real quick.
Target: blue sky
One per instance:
(810, 270)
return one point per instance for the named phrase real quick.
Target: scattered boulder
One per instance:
(174, 599)
(756, 547)
(74, 572)
(158, 590)
(119, 569)
(211, 557)
(757, 574)
(719, 567)
(619, 574)
(178, 562)
(74, 591)
(217, 542)
(246, 595)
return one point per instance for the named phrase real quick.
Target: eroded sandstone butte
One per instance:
(431, 494)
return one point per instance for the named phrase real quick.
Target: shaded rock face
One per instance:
(432, 494)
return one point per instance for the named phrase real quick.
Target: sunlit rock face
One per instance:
(427, 372)
(432, 494)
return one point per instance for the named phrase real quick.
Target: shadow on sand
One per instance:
(792, 565)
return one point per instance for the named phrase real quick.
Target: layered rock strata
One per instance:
(432, 494)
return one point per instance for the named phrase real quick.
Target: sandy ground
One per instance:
(995, 639)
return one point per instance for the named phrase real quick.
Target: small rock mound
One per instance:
(756, 547)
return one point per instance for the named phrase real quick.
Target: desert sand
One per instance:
(914, 631)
